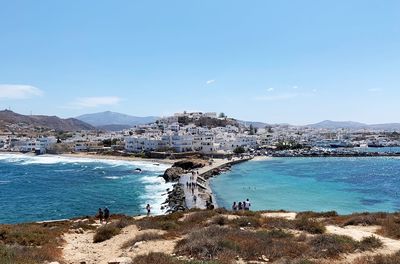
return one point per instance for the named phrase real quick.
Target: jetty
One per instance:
(203, 191)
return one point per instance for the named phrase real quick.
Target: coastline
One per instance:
(110, 157)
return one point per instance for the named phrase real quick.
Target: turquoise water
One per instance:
(345, 185)
(34, 188)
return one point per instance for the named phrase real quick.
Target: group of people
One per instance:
(103, 215)
(245, 205)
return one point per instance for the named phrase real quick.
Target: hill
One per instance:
(328, 124)
(8, 118)
(104, 119)
(253, 123)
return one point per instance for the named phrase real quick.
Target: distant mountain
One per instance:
(254, 123)
(51, 122)
(337, 124)
(328, 124)
(111, 118)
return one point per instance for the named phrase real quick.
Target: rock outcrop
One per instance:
(172, 174)
(190, 164)
(176, 199)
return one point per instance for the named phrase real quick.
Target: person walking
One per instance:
(240, 206)
(106, 214)
(100, 215)
(148, 208)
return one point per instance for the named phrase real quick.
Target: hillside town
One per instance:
(207, 133)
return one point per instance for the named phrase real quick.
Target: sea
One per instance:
(346, 185)
(38, 188)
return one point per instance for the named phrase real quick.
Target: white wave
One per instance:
(113, 177)
(27, 159)
(155, 191)
(4, 182)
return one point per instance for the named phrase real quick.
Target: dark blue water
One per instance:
(51, 187)
(346, 185)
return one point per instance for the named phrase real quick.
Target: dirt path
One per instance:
(80, 247)
(390, 246)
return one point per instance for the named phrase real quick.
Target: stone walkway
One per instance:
(200, 203)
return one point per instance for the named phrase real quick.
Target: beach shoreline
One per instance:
(111, 157)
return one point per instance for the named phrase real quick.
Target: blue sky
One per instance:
(275, 61)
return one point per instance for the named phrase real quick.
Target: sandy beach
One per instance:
(109, 157)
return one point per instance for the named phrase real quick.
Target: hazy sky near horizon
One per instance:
(280, 61)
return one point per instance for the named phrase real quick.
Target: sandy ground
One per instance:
(80, 247)
(288, 216)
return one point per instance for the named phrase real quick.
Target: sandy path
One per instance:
(390, 246)
(80, 247)
(288, 215)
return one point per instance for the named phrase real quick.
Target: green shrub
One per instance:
(246, 221)
(370, 243)
(329, 246)
(310, 214)
(309, 225)
(106, 232)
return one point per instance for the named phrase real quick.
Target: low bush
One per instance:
(160, 258)
(17, 254)
(31, 234)
(246, 221)
(379, 259)
(199, 217)
(148, 236)
(330, 246)
(219, 220)
(216, 241)
(279, 223)
(155, 258)
(310, 214)
(106, 232)
(363, 219)
(391, 227)
(309, 225)
(163, 222)
(370, 243)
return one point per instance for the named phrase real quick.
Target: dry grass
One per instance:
(310, 214)
(332, 246)
(31, 243)
(303, 224)
(160, 258)
(379, 259)
(309, 225)
(148, 236)
(391, 227)
(212, 242)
